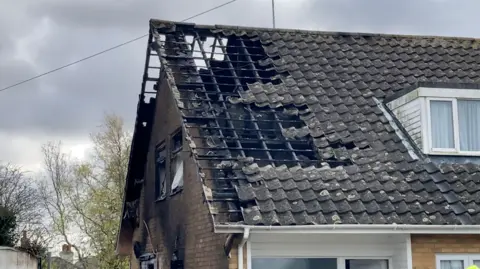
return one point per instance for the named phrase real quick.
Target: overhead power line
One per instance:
(109, 49)
(273, 13)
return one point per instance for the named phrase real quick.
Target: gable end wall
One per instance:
(183, 214)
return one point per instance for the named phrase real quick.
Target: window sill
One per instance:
(160, 199)
(177, 191)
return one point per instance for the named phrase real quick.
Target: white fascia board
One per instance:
(352, 229)
(449, 93)
(433, 92)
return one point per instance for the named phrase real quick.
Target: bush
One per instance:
(8, 225)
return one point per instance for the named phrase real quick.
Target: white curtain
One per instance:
(442, 124)
(469, 124)
(177, 182)
(451, 264)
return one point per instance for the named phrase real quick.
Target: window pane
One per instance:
(476, 262)
(366, 264)
(293, 263)
(451, 264)
(469, 124)
(177, 142)
(442, 124)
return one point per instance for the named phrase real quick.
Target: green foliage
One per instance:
(105, 177)
(89, 195)
(8, 225)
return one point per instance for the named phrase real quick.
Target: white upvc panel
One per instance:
(449, 93)
(342, 247)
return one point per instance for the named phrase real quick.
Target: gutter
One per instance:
(246, 234)
(349, 229)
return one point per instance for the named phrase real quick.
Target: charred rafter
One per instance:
(228, 130)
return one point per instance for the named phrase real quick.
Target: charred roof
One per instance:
(288, 127)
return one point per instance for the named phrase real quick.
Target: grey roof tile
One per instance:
(337, 77)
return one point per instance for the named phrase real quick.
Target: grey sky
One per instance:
(39, 35)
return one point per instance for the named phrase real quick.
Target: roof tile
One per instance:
(364, 174)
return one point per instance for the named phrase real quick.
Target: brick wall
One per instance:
(424, 247)
(183, 214)
(233, 260)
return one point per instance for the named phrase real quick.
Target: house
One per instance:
(60, 263)
(270, 148)
(65, 260)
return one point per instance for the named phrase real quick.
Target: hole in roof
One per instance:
(214, 49)
(335, 163)
(227, 130)
(281, 154)
(336, 144)
(349, 145)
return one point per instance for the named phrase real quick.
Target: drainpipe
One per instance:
(246, 234)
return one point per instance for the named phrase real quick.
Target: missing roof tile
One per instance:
(241, 108)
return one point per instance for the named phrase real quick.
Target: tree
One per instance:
(20, 212)
(56, 196)
(19, 196)
(87, 196)
(8, 225)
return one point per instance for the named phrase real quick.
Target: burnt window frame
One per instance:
(175, 151)
(160, 187)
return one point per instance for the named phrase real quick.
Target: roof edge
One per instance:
(429, 84)
(189, 25)
(351, 229)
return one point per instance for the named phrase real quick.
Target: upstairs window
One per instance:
(457, 261)
(176, 146)
(454, 125)
(160, 172)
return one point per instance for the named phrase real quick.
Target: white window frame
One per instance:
(341, 260)
(456, 130)
(467, 258)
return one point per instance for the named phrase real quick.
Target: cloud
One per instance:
(40, 35)
(426, 17)
(24, 150)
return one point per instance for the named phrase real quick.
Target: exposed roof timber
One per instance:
(139, 144)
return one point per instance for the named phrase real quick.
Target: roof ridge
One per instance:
(316, 32)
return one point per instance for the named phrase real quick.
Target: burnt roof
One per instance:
(288, 127)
